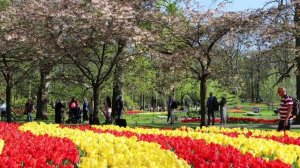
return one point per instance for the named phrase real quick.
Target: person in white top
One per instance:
(3, 110)
(107, 110)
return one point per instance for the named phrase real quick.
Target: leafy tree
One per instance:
(94, 39)
(17, 57)
(190, 41)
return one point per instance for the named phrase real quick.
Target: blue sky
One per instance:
(236, 5)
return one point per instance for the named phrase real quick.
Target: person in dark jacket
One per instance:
(119, 107)
(172, 105)
(212, 106)
(85, 110)
(29, 108)
(58, 108)
(223, 114)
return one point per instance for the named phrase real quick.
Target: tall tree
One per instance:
(93, 36)
(17, 56)
(297, 46)
(191, 40)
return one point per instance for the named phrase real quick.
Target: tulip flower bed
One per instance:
(235, 120)
(23, 149)
(132, 112)
(282, 137)
(236, 111)
(51, 145)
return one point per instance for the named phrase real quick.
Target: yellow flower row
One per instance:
(106, 150)
(256, 146)
(1, 145)
(255, 132)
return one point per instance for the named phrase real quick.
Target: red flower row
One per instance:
(284, 139)
(235, 120)
(197, 152)
(28, 150)
(134, 111)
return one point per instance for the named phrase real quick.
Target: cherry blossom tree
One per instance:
(190, 36)
(92, 35)
(17, 56)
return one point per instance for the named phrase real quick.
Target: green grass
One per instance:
(159, 119)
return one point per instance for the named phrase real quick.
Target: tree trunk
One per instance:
(297, 46)
(96, 104)
(143, 101)
(202, 100)
(133, 93)
(257, 91)
(42, 94)
(8, 91)
(117, 88)
(252, 90)
(181, 101)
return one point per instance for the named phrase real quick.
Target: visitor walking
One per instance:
(107, 110)
(58, 109)
(212, 106)
(74, 109)
(3, 111)
(85, 110)
(223, 110)
(91, 111)
(119, 107)
(172, 105)
(285, 110)
(29, 108)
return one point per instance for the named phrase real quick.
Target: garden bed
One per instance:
(51, 145)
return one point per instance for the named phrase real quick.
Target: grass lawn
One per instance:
(159, 119)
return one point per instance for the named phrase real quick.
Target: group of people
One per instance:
(285, 109)
(28, 110)
(77, 113)
(213, 105)
(86, 111)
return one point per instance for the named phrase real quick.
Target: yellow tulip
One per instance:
(100, 148)
(258, 147)
(1, 145)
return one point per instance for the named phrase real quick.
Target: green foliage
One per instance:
(170, 6)
(138, 80)
(19, 102)
(129, 103)
(268, 88)
(4, 4)
(219, 91)
(268, 91)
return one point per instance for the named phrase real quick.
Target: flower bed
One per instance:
(236, 111)
(235, 120)
(23, 149)
(50, 145)
(131, 112)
